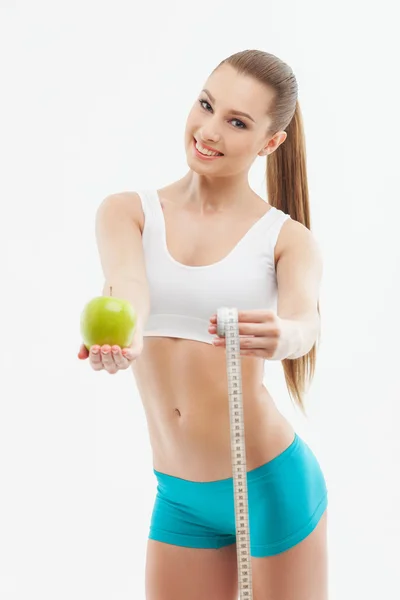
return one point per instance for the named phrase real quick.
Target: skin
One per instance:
(181, 381)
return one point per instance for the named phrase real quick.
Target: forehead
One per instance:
(232, 90)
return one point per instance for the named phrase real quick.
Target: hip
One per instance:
(287, 496)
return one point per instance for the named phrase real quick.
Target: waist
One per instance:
(183, 386)
(200, 450)
(182, 485)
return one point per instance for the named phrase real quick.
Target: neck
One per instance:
(215, 194)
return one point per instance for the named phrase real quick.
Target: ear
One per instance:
(273, 143)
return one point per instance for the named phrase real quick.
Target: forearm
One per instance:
(133, 290)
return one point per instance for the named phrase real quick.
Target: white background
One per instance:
(94, 101)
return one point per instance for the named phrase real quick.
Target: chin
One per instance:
(194, 166)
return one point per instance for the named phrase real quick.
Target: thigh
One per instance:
(300, 573)
(178, 573)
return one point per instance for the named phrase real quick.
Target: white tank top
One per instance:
(183, 298)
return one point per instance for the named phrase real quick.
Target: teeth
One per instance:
(205, 151)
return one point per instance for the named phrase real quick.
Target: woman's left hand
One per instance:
(265, 335)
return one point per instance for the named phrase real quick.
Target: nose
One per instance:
(209, 133)
(210, 137)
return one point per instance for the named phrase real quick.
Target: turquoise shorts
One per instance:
(287, 496)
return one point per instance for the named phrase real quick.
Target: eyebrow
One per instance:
(235, 112)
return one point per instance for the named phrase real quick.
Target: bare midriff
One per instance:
(183, 387)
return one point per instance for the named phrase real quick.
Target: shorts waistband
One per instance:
(252, 475)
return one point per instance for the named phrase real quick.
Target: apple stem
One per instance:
(110, 290)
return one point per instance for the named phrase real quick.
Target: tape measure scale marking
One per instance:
(228, 327)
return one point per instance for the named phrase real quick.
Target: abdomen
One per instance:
(183, 386)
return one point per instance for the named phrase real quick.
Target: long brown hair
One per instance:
(286, 173)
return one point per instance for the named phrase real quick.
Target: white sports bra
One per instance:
(183, 298)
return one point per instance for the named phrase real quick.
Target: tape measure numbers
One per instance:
(228, 327)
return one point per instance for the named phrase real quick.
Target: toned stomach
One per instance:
(183, 387)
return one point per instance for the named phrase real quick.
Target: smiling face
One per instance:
(230, 117)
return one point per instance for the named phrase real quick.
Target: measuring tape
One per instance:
(228, 327)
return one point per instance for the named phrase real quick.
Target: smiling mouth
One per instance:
(215, 155)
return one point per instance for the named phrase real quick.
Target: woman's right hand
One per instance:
(104, 358)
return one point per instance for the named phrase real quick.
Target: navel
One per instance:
(177, 411)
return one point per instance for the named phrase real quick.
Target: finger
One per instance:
(131, 353)
(108, 359)
(252, 316)
(259, 329)
(245, 352)
(269, 329)
(120, 359)
(256, 316)
(95, 358)
(264, 344)
(222, 341)
(245, 329)
(261, 343)
(83, 352)
(253, 353)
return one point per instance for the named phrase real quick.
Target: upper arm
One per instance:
(119, 237)
(299, 271)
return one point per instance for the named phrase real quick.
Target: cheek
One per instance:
(240, 149)
(192, 126)
(192, 117)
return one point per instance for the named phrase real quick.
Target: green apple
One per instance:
(108, 320)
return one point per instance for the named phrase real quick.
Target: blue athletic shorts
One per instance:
(287, 497)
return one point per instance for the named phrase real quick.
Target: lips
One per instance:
(208, 147)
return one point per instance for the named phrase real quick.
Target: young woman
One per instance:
(180, 253)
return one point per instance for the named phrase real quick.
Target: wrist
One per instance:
(290, 344)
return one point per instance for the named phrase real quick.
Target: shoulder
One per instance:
(128, 203)
(295, 238)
